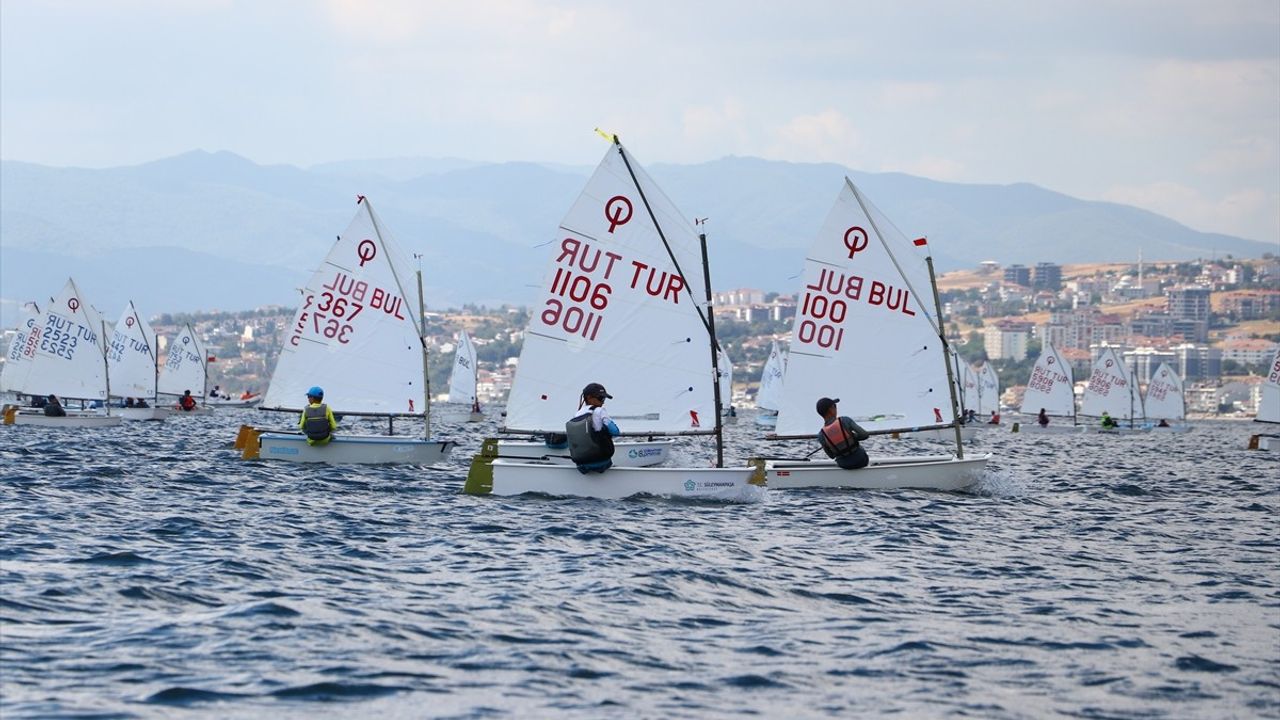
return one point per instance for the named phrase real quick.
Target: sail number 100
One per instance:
(821, 316)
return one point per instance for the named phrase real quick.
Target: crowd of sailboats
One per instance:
(625, 301)
(72, 375)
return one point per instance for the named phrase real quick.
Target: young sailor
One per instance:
(840, 437)
(317, 420)
(591, 431)
(186, 403)
(1108, 421)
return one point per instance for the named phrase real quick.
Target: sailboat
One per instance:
(354, 336)
(769, 395)
(1051, 388)
(462, 383)
(14, 369)
(988, 392)
(186, 369)
(63, 355)
(134, 366)
(1269, 407)
(623, 306)
(1113, 389)
(868, 329)
(730, 414)
(1165, 401)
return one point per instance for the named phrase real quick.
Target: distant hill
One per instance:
(204, 230)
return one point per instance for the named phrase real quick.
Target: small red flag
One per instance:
(213, 359)
(920, 241)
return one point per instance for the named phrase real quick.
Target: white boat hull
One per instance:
(148, 413)
(512, 477)
(1264, 442)
(13, 416)
(625, 453)
(1035, 429)
(927, 472)
(1120, 430)
(967, 433)
(347, 449)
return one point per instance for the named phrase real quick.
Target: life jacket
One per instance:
(836, 440)
(315, 422)
(187, 402)
(586, 444)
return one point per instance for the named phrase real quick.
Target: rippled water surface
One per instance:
(147, 571)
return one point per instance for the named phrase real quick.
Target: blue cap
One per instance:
(315, 391)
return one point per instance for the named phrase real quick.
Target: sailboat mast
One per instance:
(942, 335)
(715, 352)
(106, 366)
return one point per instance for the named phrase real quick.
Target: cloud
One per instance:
(827, 136)
(1239, 212)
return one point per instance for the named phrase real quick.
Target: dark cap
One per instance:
(595, 390)
(826, 404)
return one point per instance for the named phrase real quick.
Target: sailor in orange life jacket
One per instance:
(840, 437)
(186, 403)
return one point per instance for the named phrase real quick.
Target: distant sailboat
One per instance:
(133, 363)
(1050, 388)
(463, 380)
(1269, 407)
(1112, 389)
(15, 369)
(769, 396)
(1165, 401)
(186, 369)
(730, 414)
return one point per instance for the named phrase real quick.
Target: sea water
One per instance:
(147, 571)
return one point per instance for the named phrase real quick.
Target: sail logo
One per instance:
(366, 251)
(855, 240)
(618, 211)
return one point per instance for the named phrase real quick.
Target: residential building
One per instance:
(1007, 339)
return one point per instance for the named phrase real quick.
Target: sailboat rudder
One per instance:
(480, 475)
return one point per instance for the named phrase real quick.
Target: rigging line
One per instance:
(661, 235)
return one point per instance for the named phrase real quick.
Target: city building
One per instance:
(1018, 275)
(1189, 302)
(1048, 276)
(1007, 340)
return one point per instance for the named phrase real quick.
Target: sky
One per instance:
(1169, 105)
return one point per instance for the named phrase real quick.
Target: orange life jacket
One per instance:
(836, 440)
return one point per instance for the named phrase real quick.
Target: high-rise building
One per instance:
(1190, 302)
(1048, 276)
(1018, 275)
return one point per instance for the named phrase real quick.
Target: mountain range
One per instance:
(215, 230)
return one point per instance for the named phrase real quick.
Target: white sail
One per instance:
(356, 335)
(769, 396)
(1050, 387)
(462, 383)
(1109, 389)
(726, 378)
(988, 391)
(185, 365)
(615, 309)
(65, 351)
(969, 387)
(131, 356)
(1269, 402)
(1164, 399)
(15, 368)
(865, 329)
